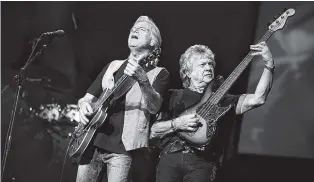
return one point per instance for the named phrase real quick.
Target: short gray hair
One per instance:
(185, 61)
(155, 33)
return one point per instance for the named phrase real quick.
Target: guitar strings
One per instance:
(209, 105)
(104, 96)
(101, 101)
(238, 71)
(217, 96)
(91, 123)
(225, 85)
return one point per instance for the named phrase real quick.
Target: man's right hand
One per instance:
(85, 110)
(188, 122)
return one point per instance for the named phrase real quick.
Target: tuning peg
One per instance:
(275, 17)
(269, 23)
(279, 16)
(285, 9)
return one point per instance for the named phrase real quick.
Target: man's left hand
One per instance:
(136, 71)
(263, 50)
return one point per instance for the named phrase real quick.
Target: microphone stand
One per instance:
(20, 79)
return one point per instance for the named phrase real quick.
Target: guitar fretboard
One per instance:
(222, 90)
(107, 93)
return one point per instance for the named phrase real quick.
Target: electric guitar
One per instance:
(207, 108)
(83, 134)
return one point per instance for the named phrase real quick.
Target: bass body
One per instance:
(208, 114)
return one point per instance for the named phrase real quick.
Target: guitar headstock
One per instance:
(280, 22)
(155, 54)
(150, 58)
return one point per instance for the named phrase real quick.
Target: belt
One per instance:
(182, 146)
(178, 146)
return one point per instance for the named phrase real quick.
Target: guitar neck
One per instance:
(107, 93)
(222, 90)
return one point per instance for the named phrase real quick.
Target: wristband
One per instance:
(172, 125)
(271, 69)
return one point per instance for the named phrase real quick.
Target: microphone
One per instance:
(58, 33)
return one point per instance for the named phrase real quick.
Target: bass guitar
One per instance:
(208, 110)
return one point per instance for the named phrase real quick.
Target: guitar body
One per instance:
(208, 121)
(207, 127)
(83, 134)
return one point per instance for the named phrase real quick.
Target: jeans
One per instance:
(118, 167)
(143, 166)
(184, 166)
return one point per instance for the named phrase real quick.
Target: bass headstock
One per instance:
(280, 21)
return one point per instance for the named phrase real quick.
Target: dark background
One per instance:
(284, 125)
(97, 34)
(103, 27)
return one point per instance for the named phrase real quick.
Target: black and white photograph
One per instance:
(157, 91)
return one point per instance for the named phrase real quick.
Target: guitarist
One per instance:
(126, 129)
(179, 161)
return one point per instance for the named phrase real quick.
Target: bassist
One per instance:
(178, 160)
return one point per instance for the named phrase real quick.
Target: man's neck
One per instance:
(200, 89)
(196, 89)
(138, 54)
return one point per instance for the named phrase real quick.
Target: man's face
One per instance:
(140, 35)
(202, 71)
